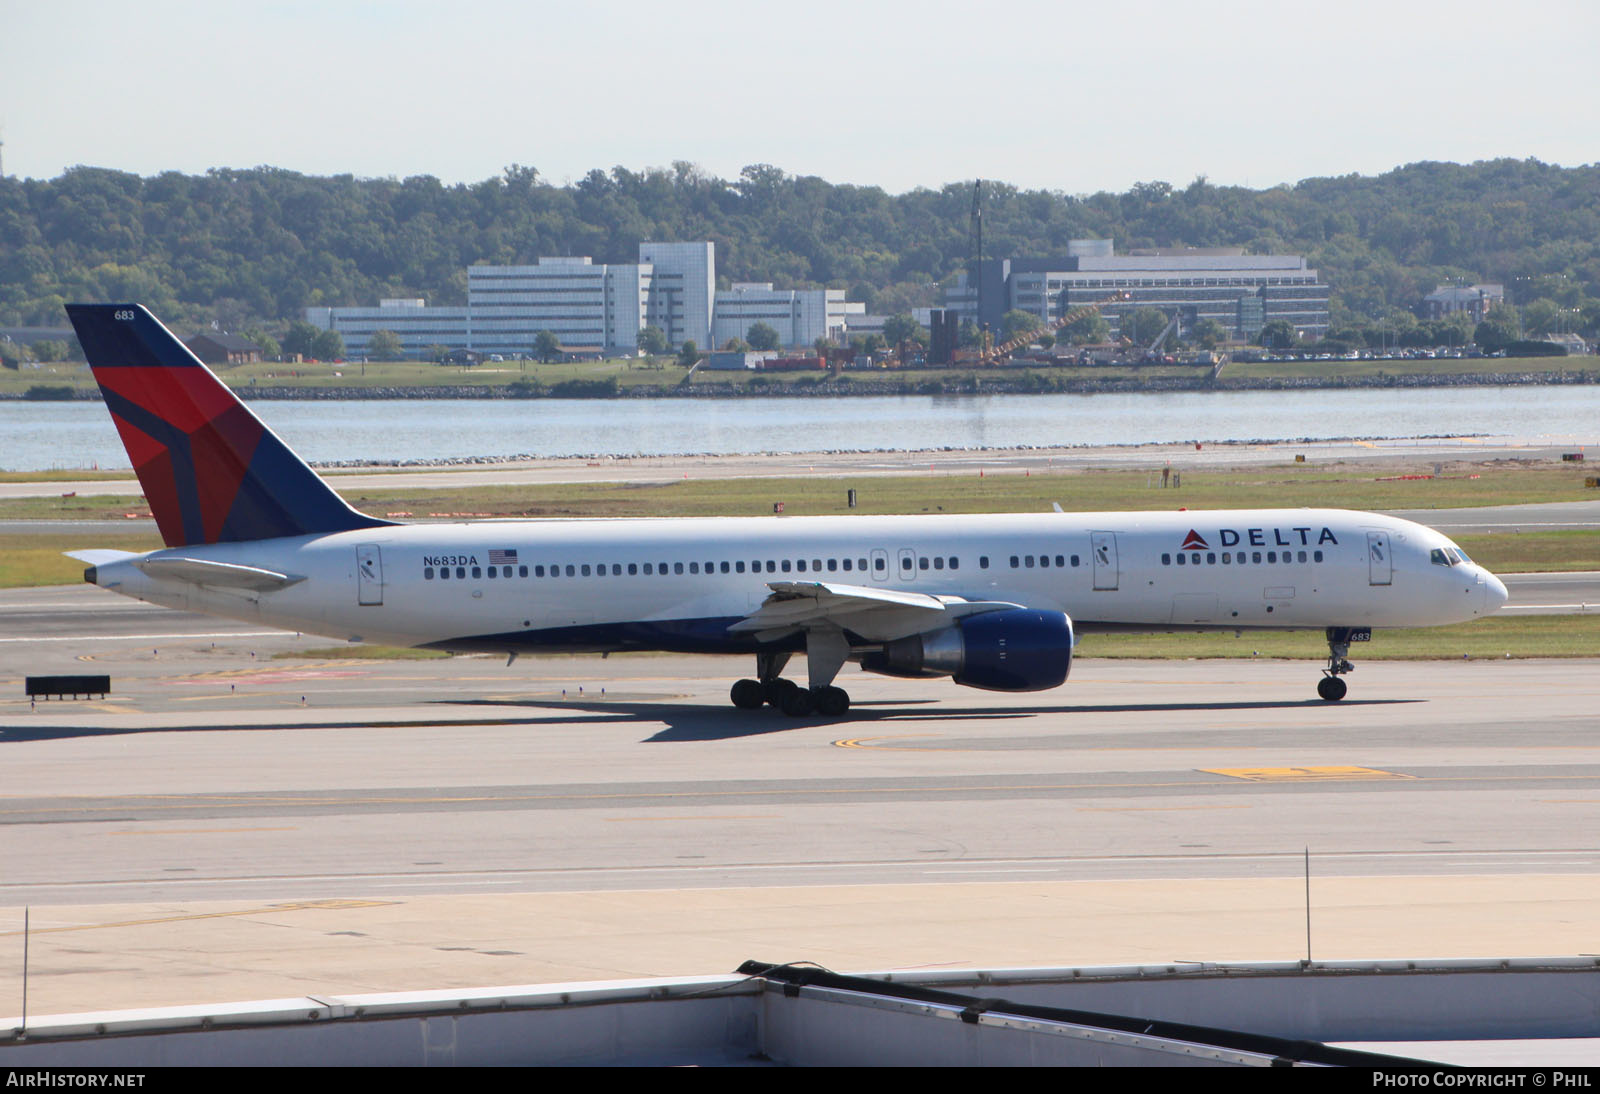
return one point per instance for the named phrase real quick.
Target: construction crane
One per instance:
(1071, 317)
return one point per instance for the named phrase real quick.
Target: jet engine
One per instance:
(1019, 649)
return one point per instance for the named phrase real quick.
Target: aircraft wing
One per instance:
(199, 571)
(879, 615)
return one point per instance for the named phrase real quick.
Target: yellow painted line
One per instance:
(190, 831)
(869, 742)
(894, 791)
(298, 906)
(1303, 774)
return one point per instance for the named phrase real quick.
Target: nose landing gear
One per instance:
(1330, 687)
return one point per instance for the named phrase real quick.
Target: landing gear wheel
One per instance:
(1331, 688)
(831, 701)
(748, 694)
(796, 702)
(775, 691)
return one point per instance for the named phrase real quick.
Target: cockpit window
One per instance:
(1439, 558)
(1461, 556)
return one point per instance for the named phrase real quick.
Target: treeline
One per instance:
(251, 248)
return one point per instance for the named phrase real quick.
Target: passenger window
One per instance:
(694, 567)
(1227, 557)
(1027, 561)
(772, 567)
(816, 565)
(724, 567)
(833, 564)
(801, 565)
(1272, 556)
(427, 573)
(461, 573)
(1166, 560)
(1074, 560)
(955, 562)
(522, 571)
(677, 567)
(1211, 558)
(785, 565)
(879, 564)
(633, 569)
(922, 563)
(983, 562)
(1255, 556)
(444, 573)
(491, 571)
(1015, 562)
(1316, 556)
(938, 562)
(738, 567)
(1044, 562)
(476, 573)
(861, 564)
(847, 565)
(1183, 560)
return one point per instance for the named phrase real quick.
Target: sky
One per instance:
(1058, 95)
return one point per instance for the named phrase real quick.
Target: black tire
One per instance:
(796, 702)
(832, 702)
(748, 695)
(1331, 688)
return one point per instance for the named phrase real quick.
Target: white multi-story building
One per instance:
(1240, 291)
(588, 307)
(682, 289)
(416, 325)
(597, 308)
(800, 316)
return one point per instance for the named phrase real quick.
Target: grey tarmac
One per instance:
(227, 825)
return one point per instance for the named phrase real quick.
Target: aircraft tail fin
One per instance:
(211, 471)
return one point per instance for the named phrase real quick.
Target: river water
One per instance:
(44, 436)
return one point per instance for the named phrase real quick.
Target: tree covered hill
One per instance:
(246, 247)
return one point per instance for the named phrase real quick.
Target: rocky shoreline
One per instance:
(1029, 384)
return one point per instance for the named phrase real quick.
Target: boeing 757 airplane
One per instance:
(994, 602)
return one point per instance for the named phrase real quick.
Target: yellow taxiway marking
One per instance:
(1303, 774)
(297, 906)
(871, 742)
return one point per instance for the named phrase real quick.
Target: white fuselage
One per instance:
(679, 583)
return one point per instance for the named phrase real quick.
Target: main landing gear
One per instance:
(825, 655)
(1330, 687)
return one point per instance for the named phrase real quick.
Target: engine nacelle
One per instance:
(1016, 650)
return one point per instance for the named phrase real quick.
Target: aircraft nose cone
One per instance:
(1494, 592)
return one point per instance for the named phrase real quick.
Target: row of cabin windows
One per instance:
(649, 569)
(1237, 558)
(1027, 561)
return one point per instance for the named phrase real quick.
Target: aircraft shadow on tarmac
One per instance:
(684, 722)
(697, 723)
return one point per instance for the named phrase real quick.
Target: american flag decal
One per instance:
(503, 558)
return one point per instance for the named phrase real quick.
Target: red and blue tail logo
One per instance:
(210, 470)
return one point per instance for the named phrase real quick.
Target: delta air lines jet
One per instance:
(994, 602)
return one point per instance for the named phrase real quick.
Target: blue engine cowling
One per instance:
(1017, 650)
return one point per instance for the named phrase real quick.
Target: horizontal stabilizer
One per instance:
(100, 556)
(199, 571)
